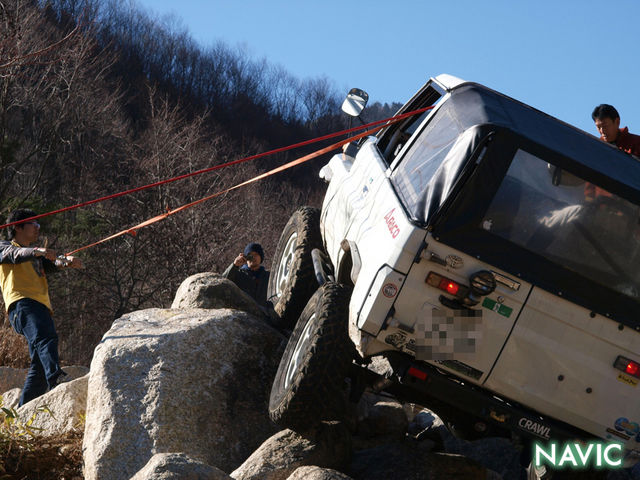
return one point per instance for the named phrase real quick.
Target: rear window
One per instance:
(569, 221)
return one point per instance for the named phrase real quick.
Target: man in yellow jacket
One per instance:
(23, 278)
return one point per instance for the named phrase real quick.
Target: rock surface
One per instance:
(412, 460)
(317, 473)
(211, 290)
(282, 454)
(14, 377)
(178, 466)
(11, 398)
(496, 454)
(194, 381)
(381, 416)
(67, 404)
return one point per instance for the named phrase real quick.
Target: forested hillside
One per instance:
(98, 97)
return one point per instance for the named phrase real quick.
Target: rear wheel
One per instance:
(292, 280)
(310, 384)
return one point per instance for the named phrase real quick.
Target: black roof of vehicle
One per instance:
(492, 127)
(473, 104)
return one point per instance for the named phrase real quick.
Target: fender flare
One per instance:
(350, 263)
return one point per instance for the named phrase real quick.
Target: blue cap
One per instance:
(254, 247)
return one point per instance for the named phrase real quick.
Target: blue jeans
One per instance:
(33, 320)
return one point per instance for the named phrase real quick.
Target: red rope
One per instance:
(217, 167)
(134, 230)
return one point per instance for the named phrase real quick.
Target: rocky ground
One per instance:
(182, 393)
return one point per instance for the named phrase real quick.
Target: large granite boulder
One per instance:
(194, 381)
(317, 473)
(67, 404)
(11, 398)
(178, 466)
(210, 290)
(329, 446)
(381, 417)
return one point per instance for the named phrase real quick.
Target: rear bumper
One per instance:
(429, 386)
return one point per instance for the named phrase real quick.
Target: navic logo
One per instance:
(578, 455)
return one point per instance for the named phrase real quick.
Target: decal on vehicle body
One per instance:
(390, 290)
(454, 261)
(497, 307)
(397, 340)
(400, 341)
(391, 224)
(627, 379)
(536, 428)
(624, 425)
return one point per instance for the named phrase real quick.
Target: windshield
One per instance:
(415, 177)
(569, 221)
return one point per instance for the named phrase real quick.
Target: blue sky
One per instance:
(561, 56)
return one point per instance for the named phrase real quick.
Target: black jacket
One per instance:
(254, 283)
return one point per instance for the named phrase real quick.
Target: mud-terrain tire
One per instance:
(310, 384)
(292, 280)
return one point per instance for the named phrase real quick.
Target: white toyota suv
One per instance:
(484, 259)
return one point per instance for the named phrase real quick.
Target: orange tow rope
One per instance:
(134, 230)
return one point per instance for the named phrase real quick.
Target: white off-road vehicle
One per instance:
(484, 259)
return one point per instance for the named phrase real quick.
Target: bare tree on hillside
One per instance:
(56, 117)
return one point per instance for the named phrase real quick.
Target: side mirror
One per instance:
(355, 102)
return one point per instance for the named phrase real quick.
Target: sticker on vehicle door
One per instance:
(624, 425)
(392, 225)
(497, 307)
(390, 290)
(627, 379)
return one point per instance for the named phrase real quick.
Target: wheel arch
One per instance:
(349, 264)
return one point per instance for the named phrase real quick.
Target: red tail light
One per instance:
(419, 374)
(451, 287)
(446, 284)
(629, 367)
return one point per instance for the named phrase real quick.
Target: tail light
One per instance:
(447, 285)
(417, 373)
(627, 366)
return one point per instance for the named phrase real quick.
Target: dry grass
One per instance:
(25, 457)
(50, 458)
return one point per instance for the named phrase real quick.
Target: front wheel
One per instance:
(292, 280)
(310, 384)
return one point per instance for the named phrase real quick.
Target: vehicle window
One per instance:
(422, 159)
(404, 135)
(395, 137)
(575, 224)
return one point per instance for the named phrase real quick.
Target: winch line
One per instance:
(134, 230)
(389, 121)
